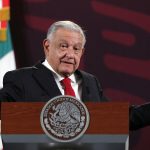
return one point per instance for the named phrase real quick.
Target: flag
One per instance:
(7, 57)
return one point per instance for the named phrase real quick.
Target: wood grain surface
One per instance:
(105, 118)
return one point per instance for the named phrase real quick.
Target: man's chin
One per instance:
(66, 73)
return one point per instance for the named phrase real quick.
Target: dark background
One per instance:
(117, 49)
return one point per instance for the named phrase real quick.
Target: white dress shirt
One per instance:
(75, 81)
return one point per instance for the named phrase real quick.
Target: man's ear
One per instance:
(46, 44)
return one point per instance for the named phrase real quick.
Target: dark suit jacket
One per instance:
(38, 84)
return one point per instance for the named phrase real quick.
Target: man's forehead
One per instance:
(66, 41)
(68, 36)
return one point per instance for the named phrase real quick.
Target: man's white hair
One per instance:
(68, 25)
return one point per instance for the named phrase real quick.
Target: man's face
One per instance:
(64, 50)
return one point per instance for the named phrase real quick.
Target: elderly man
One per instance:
(63, 47)
(58, 74)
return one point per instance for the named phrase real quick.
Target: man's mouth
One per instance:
(67, 62)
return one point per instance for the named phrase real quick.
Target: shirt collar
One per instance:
(56, 75)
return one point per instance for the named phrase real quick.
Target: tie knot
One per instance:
(66, 81)
(68, 90)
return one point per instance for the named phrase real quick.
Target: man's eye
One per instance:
(77, 48)
(63, 45)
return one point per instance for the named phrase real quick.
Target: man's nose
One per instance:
(70, 52)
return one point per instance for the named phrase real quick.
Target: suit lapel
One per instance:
(85, 86)
(45, 79)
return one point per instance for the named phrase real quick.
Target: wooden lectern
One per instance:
(108, 129)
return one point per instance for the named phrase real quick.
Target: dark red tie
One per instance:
(67, 87)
